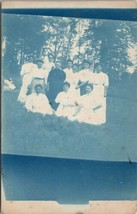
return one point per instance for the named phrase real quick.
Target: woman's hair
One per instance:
(66, 83)
(30, 56)
(69, 60)
(96, 65)
(39, 60)
(50, 54)
(75, 65)
(38, 85)
(86, 62)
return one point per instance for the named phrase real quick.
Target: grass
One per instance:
(32, 134)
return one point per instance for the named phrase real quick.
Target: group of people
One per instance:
(76, 94)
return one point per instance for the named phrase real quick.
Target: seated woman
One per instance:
(37, 102)
(91, 108)
(39, 76)
(66, 102)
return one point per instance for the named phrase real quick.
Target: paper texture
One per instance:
(69, 106)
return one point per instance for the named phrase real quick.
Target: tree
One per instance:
(109, 44)
(23, 37)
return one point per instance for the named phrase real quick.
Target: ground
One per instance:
(52, 169)
(33, 134)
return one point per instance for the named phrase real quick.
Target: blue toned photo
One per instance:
(69, 97)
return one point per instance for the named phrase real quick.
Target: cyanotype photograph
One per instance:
(69, 104)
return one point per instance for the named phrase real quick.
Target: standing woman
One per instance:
(84, 76)
(69, 71)
(48, 64)
(26, 74)
(100, 82)
(39, 76)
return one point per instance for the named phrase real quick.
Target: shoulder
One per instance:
(42, 95)
(61, 93)
(51, 73)
(30, 96)
(25, 65)
(65, 69)
(34, 65)
(104, 75)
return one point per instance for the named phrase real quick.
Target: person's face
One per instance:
(38, 90)
(51, 59)
(88, 89)
(65, 88)
(75, 68)
(39, 64)
(58, 66)
(30, 59)
(90, 57)
(86, 66)
(45, 52)
(70, 64)
(98, 69)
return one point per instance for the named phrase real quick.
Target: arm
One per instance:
(57, 100)
(81, 84)
(105, 90)
(97, 107)
(47, 86)
(28, 104)
(97, 103)
(106, 84)
(77, 110)
(22, 70)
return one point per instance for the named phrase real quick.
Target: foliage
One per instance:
(101, 41)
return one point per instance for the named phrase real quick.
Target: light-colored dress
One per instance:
(38, 103)
(26, 73)
(39, 76)
(47, 65)
(100, 81)
(66, 106)
(73, 79)
(92, 109)
(85, 75)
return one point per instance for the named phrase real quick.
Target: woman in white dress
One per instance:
(91, 108)
(69, 71)
(100, 81)
(39, 76)
(26, 74)
(84, 75)
(38, 102)
(48, 64)
(66, 102)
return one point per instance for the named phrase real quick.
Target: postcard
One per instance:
(68, 111)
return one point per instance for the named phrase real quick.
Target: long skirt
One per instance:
(26, 81)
